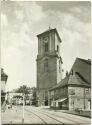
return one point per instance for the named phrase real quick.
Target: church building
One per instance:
(49, 64)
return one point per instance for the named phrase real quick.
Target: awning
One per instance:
(61, 100)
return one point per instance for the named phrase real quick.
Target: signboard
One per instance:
(71, 92)
(86, 90)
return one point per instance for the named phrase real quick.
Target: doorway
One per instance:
(46, 102)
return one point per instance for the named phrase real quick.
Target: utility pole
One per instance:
(84, 98)
(23, 108)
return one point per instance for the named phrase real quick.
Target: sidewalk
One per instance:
(82, 113)
(12, 115)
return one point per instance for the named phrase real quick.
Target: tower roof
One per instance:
(50, 30)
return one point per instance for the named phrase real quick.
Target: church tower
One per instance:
(49, 63)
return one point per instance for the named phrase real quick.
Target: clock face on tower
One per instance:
(45, 39)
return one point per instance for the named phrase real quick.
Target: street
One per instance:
(41, 115)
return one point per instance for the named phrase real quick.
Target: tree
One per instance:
(34, 98)
(23, 89)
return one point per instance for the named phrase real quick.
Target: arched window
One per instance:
(46, 47)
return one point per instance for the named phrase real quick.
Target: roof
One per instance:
(50, 30)
(77, 81)
(82, 68)
(62, 83)
(61, 100)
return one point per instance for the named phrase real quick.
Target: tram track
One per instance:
(44, 122)
(61, 117)
(66, 121)
(46, 115)
(73, 120)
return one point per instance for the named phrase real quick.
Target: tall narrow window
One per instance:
(59, 66)
(46, 65)
(46, 47)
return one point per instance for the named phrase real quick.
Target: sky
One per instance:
(22, 21)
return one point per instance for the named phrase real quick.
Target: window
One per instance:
(46, 47)
(86, 91)
(72, 102)
(46, 65)
(59, 66)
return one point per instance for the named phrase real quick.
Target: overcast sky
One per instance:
(22, 21)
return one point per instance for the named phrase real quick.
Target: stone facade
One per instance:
(79, 96)
(80, 99)
(49, 69)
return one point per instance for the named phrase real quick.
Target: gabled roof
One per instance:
(83, 68)
(77, 81)
(50, 30)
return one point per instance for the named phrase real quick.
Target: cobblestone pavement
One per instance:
(40, 115)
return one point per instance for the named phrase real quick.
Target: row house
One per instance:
(74, 91)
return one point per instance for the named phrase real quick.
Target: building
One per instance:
(59, 94)
(49, 64)
(14, 97)
(4, 78)
(74, 91)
